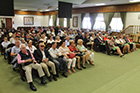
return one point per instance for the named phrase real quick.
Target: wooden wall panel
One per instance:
(29, 12)
(111, 8)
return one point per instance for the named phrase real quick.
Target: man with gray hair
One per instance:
(27, 60)
(14, 51)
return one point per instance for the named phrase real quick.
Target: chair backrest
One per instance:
(10, 45)
(48, 46)
(107, 47)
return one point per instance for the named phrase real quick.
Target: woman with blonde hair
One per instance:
(89, 54)
(78, 55)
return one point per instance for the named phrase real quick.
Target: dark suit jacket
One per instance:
(97, 41)
(39, 56)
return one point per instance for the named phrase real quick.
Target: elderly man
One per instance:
(60, 63)
(67, 41)
(14, 51)
(27, 60)
(42, 56)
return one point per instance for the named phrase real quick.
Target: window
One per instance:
(86, 22)
(57, 21)
(99, 23)
(116, 23)
(65, 22)
(51, 21)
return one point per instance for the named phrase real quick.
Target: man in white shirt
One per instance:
(67, 41)
(5, 43)
(60, 63)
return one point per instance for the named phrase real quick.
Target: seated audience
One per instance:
(23, 42)
(50, 40)
(67, 41)
(13, 39)
(89, 55)
(5, 43)
(14, 51)
(126, 46)
(57, 59)
(43, 58)
(66, 52)
(79, 55)
(58, 40)
(43, 38)
(113, 47)
(27, 60)
(31, 47)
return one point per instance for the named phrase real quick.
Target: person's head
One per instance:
(13, 35)
(27, 36)
(23, 48)
(68, 38)
(17, 43)
(30, 43)
(5, 39)
(43, 36)
(112, 39)
(117, 38)
(72, 43)
(58, 38)
(80, 42)
(22, 41)
(41, 46)
(83, 34)
(54, 45)
(97, 35)
(51, 37)
(62, 43)
(121, 37)
(17, 37)
(124, 35)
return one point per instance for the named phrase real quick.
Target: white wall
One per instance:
(79, 21)
(132, 18)
(39, 20)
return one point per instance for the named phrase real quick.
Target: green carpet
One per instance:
(111, 74)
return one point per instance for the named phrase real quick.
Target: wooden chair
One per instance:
(9, 52)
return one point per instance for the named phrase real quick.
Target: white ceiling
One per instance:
(49, 5)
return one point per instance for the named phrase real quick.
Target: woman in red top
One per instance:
(74, 49)
(106, 38)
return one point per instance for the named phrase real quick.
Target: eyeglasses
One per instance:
(42, 45)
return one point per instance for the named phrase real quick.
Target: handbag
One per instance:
(71, 55)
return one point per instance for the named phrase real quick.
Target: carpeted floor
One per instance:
(111, 74)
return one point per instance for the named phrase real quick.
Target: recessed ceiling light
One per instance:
(24, 9)
(46, 10)
(41, 10)
(134, 0)
(100, 4)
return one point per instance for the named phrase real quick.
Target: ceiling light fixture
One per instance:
(100, 4)
(24, 9)
(134, 0)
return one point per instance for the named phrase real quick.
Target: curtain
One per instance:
(68, 22)
(92, 19)
(49, 18)
(107, 18)
(82, 17)
(123, 17)
(54, 20)
(61, 22)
